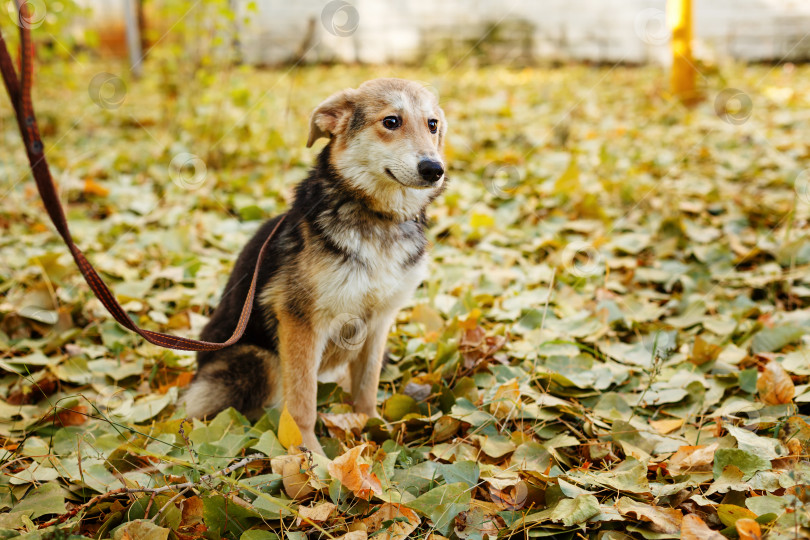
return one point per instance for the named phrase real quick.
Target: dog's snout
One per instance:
(430, 170)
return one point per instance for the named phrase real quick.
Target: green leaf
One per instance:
(258, 535)
(442, 504)
(269, 445)
(46, 499)
(466, 472)
(140, 529)
(747, 462)
(577, 510)
(398, 406)
(223, 516)
(776, 338)
(730, 513)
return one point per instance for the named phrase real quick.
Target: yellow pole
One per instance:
(682, 78)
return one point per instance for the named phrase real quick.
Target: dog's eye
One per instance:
(433, 125)
(392, 122)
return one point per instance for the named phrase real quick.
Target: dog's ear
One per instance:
(331, 116)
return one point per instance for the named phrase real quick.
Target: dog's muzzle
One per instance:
(430, 170)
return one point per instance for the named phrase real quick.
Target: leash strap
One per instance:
(20, 93)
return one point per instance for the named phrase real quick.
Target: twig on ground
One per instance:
(165, 506)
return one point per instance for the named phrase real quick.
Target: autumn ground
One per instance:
(612, 342)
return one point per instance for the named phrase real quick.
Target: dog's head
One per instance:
(387, 139)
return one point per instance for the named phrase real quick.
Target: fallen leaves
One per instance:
(354, 474)
(774, 385)
(391, 522)
(315, 514)
(289, 435)
(694, 528)
(663, 519)
(612, 333)
(692, 459)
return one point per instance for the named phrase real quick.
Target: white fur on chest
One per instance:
(377, 281)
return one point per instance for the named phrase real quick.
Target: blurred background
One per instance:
(622, 252)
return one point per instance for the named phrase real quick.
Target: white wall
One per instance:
(592, 30)
(581, 30)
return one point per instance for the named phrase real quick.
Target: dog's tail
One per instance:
(244, 377)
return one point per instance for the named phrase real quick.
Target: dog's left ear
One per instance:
(331, 116)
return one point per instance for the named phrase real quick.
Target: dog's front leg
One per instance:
(301, 348)
(365, 370)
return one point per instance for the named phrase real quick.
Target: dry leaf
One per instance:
(399, 529)
(693, 528)
(506, 400)
(342, 424)
(748, 529)
(692, 459)
(356, 476)
(293, 475)
(774, 385)
(665, 520)
(477, 523)
(354, 535)
(289, 434)
(704, 352)
(667, 425)
(192, 511)
(317, 514)
(71, 417)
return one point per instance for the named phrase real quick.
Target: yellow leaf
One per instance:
(478, 219)
(729, 514)
(288, 433)
(668, 425)
(91, 187)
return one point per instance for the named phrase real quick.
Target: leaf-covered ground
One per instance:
(613, 341)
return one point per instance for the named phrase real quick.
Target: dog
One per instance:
(349, 254)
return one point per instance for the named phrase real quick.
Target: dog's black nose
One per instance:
(430, 170)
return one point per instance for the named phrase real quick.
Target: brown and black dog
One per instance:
(349, 254)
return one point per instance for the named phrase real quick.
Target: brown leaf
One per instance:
(774, 385)
(342, 424)
(356, 476)
(399, 530)
(663, 519)
(26, 395)
(693, 528)
(71, 417)
(692, 459)
(748, 529)
(704, 352)
(354, 535)
(293, 475)
(317, 514)
(192, 511)
(477, 523)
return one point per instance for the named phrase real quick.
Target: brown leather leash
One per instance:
(20, 93)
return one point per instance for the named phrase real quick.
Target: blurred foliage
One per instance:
(612, 342)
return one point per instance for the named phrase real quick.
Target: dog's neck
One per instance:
(327, 191)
